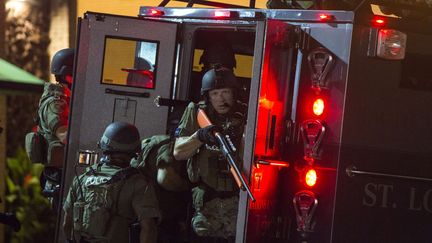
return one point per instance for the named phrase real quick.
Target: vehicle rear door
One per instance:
(122, 65)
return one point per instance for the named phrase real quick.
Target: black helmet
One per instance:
(62, 62)
(218, 53)
(120, 137)
(217, 78)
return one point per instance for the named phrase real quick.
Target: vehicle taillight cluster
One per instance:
(312, 127)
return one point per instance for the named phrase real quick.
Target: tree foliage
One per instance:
(24, 198)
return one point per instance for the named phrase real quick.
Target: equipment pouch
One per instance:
(78, 213)
(35, 145)
(55, 154)
(198, 194)
(96, 221)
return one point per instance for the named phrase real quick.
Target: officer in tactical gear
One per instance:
(46, 145)
(214, 192)
(219, 53)
(111, 195)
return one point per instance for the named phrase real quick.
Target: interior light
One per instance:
(318, 107)
(222, 14)
(311, 177)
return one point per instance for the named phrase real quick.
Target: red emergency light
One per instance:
(318, 107)
(326, 17)
(378, 21)
(156, 12)
(310, 177)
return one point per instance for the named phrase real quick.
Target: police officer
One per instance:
(218, 53)
(54, 104)
(215, 194)
(111, 195)
(52, 120)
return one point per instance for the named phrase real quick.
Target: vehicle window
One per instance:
(129, 62)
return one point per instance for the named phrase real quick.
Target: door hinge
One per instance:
(302, 35)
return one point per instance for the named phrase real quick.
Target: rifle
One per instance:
(227, 151)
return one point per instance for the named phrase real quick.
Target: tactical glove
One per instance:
(206, 134)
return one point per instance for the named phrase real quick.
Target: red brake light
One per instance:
(318, 107)
(310, 177)
(222, 14)
(378, 21)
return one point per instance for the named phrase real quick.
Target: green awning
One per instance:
(17, 79)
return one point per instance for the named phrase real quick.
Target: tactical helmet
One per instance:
(220, 53)
(120, 137)
(217, 78)
(62, 62)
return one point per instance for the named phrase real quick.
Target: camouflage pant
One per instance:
(217, 218)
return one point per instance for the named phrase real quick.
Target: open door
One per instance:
(122, 65)
(263, 221)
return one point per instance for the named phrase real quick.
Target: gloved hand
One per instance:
(206, 134)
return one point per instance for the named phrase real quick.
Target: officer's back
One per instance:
(104, 201)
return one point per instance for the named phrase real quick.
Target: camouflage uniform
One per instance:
(53, 113)
(157, 152)
(215, 196)
(136, 201)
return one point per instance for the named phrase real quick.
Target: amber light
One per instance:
(318, 107)
(311, 177)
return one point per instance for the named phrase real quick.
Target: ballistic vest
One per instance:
(209, 165)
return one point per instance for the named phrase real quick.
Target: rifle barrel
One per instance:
(227, 152)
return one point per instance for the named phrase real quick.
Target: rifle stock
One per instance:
(204, 121)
